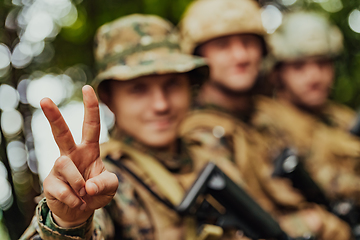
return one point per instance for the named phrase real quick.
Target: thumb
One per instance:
(105, 183)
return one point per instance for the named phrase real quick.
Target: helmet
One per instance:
(139, 45)
(305, 34)
(208, 19)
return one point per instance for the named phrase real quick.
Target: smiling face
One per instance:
(150, 108)
(234, 60)
(307, 82)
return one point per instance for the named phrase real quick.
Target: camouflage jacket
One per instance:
(135, 213)
(221, 132)
(330, 153)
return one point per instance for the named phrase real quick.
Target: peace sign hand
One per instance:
(78, 183)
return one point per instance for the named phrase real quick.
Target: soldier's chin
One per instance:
(240, 83)
(159, 140)
(315, 102)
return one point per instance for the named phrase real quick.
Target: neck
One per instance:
(313, 110)
(234, 102)
(123, 136)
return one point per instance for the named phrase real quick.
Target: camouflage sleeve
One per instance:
(44, 227)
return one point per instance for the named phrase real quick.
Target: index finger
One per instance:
(60, 129)
(91, 126)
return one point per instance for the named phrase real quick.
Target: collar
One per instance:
(176, 162)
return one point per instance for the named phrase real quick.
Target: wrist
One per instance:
(66, 224)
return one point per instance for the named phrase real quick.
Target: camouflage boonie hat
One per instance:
(204, 20)
(139, 45)
(305, 34)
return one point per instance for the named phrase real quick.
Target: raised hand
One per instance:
(78, 183)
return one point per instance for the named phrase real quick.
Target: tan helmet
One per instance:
(305, 34)
(208, 19)
(139, 45)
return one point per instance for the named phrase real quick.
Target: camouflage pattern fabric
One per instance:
(204, 20)
(139, 45)
(330, 153)
(222, 133)
(134, 213)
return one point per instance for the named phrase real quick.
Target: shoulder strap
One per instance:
(137, 178)
(163, 179)
(167, 183)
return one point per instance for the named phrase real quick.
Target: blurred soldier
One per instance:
(229, 34)
(145, 80)
(304, 49)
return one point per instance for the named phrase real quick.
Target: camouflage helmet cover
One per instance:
(305, 34)
(139, 45)
(208, 19)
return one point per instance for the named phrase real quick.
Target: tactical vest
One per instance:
(248, 157)
(166, 222)
(251, 159)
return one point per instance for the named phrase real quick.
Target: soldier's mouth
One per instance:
(162, 124)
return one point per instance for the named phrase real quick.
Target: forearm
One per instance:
(44, 226)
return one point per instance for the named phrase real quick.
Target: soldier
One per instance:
(304, 50)
(230, 35)
(145, 80)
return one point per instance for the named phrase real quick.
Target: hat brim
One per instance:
(171, 63)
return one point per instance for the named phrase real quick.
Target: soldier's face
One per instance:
(307, 82)
(234, 60)
(150, 108)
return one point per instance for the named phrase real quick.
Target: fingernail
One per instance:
(83, 206)
(82, 192)
(93, 185)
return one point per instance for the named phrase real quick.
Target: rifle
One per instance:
(213, 190)
(288, 165)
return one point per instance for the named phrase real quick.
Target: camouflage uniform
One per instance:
(331, 155)
(133, 46)
(213, 128)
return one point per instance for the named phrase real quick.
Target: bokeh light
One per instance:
(5, 58)
(271, 18)
(331, 6)
(218, 131)
(40, 27)
(20, 57)
(22, 88)
(9, 97)
(38, 21)
(288, 2)
(17, 155)
(46, 55)
(354, 21)
(11, 122)
(56, 87)
(6, 198)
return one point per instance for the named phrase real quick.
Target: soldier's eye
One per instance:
(298, 65)
(138, 88)
(174, 82)
(221, 42)
(325, 63)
